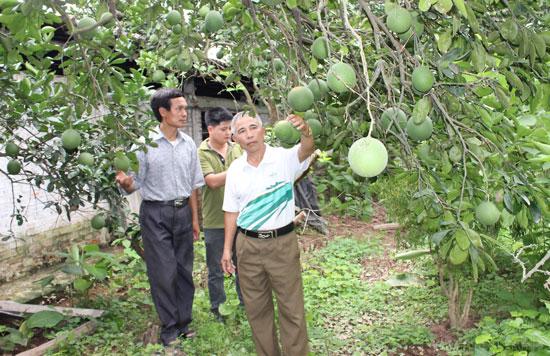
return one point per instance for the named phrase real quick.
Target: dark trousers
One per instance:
(214, 240)
(167, 234)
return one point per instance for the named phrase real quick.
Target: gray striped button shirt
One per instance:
(168, 172)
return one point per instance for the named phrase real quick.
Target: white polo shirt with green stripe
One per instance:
(263, 196)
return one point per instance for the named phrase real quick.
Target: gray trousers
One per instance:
(214, 240)
(167, 235)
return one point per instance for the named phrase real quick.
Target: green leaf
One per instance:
(483, 338)
(444, 41)
(225, 309)
(407, 255)
(438, 236)
(459, 4)
(443, 6)
(292, 4)
(424, 5)
(82, 285)
(44, 319)
(313, 64)
(538, 336)
(458, 255)
(462, 239)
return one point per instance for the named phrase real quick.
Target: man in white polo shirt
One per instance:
(259, 202)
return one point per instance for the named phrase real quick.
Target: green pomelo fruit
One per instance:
(319, 88)
(417, 28)
(121, 163)
(98, 221)
(319, 48)
(158, 76)
(213, 21)
(12, 150)
(86, 25)
(394, 116)
(14, 167)
(340, 77)
(106, 18)
(70, 139)
(399, 20)
(183, 63)
(300, 99)
(422, 79)
(177, 29)
(487, 213)
(173, 18)
(286, 132)
(455, 155)
(229, 11)
(278, 64)
(368, 157)
(204, 10)
(419, 132)
(86, 159)
(310, 115)
(316, 127)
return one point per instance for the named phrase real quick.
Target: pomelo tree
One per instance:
(456, 92)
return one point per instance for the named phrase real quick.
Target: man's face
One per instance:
(177, 115)
(221, 133)
(249, 134)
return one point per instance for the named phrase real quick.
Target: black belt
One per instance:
(268, 234)
(176, 203)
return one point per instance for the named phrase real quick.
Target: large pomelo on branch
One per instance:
(487, 213)
(422, 79)
(98, 221)
(86, 159)
(14, 167)
(158, 76)
(368, 157)
(173, 18)
(393, 115)
(121, 163)
(12, 150)
(316, 127)
(300, 98)
(341, 77)
(286, 132)
(86, 27)
(319, 48)
(399, 20)
(419, 132)
(213, 21)
(319, 88)
(70, 139)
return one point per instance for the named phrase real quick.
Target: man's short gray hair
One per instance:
(239, 116)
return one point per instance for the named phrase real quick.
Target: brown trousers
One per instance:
(267, 266)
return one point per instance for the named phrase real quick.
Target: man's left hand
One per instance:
(300, 124)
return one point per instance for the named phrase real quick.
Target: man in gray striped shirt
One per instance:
(168, 178)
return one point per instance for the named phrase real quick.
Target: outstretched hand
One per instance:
(299, 123)
(125, 181)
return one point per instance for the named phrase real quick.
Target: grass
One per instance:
(346, 315)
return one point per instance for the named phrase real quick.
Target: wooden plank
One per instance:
(390, 226)
(84, 329)
(9, 306)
